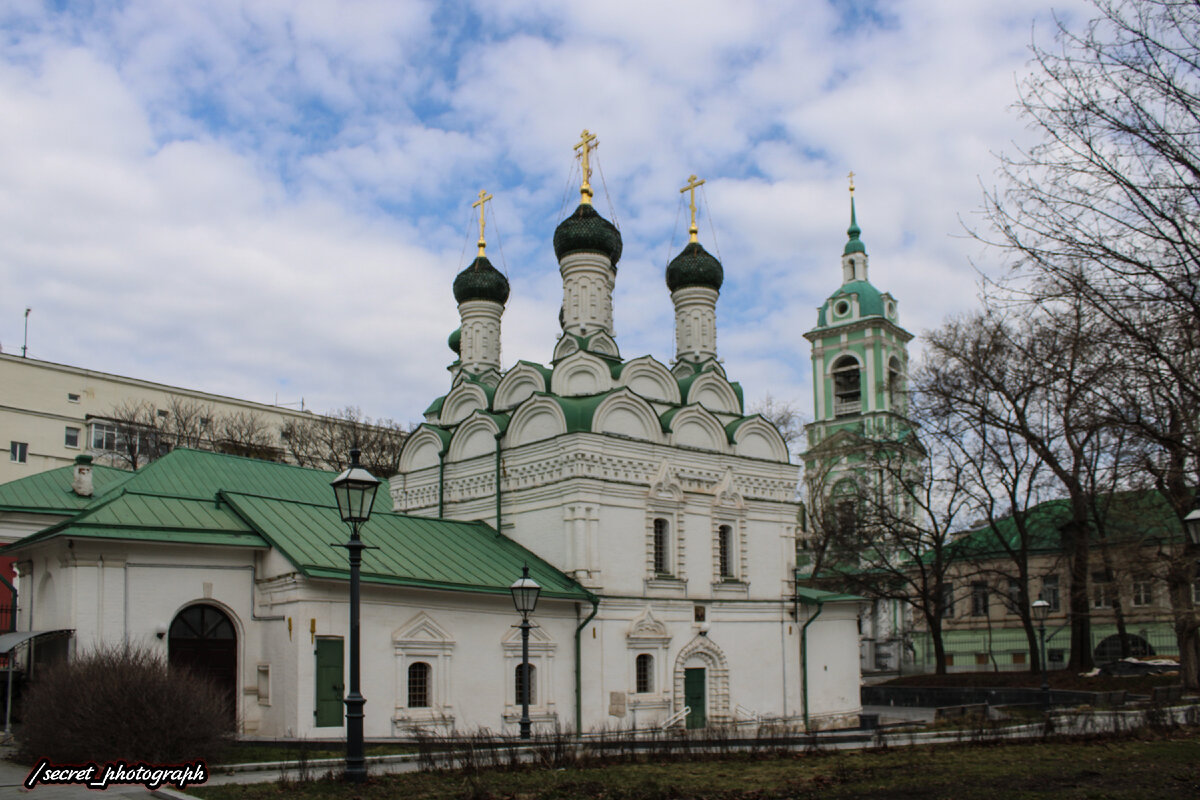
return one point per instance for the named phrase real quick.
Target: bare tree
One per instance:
(246, 433)
(189, 422)
(785, 416)
(1104, 212)
(136, 432)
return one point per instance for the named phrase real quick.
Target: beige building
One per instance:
(50, 413)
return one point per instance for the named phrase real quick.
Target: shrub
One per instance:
(123, 704)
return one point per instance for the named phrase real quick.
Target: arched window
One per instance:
(725, 551)
(662, 565)
(847, 387)
(644, 674)
(418, 685)
(519, 683)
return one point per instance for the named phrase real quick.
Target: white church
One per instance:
(659, 519)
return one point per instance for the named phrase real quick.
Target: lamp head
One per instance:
(1041, 610)
(355, 490)
(525, 591)
(1191, 523)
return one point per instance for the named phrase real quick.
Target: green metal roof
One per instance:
(50, 492)
(810, 595)
(409, 551)
(193, 498)
(1128, 518)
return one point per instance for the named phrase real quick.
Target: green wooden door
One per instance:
(331, 684)
(695, 696)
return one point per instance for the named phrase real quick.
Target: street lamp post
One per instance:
(1041, 609)
(354, 490)
(525, 592)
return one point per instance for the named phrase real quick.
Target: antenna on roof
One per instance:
(25, 346)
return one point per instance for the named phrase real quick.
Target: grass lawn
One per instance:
(1155, 766)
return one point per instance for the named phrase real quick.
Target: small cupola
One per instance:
(854, 254)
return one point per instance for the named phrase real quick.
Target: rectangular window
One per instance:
(979, 600)
(981, 659)
(724, 551)
(104, 436)
(1018, 658)
(18, 452)
(1014, 595)
(71, 437)
(72, 397)
(1056, 656)
(1050, 592)
(1102, 590)
(947, 599)
(644, 677)
(661, 564)
(1143, 590)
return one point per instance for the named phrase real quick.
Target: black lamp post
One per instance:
(355, 492)
(1041, 609)
(525, 593)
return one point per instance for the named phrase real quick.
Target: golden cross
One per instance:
(587, 143)
(483, 198)
(692, 184)
(851, 177)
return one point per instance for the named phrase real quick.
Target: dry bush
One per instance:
(123, 704)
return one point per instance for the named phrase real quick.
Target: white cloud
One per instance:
(262, 197)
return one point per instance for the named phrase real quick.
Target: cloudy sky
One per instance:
(269, 199)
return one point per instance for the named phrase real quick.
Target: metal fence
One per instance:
(1007, 649)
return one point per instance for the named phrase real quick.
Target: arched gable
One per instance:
(463, 400)
(695, 426)
(581, 374)
(539, 417)
(521, 382)
(421, 449)
(651, 380)
(567, 344)
(603, 344)
(714, 392)
(476, 436)
(755, 437)
(626, 414)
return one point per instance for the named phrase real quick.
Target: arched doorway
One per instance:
(204, 639)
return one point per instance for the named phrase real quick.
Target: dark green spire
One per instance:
(855, 244)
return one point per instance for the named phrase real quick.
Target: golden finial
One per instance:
(587, 143)
(851, 177)
(483, 198)
(692, 184)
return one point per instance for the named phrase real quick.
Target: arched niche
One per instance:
(581, 374)
(538, 418)
(463, 400)
(421, 450)
(650, 379)
(626, 414)
(695, 426)
(567, 345)
(757, 438)
(603, 344)
(713, 391)
(519, 384)
(476, 436)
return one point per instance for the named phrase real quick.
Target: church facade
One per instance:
(658, 516)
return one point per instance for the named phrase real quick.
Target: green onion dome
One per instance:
(455, 341)
(481, 281)
(585, 231)
(694, 267)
